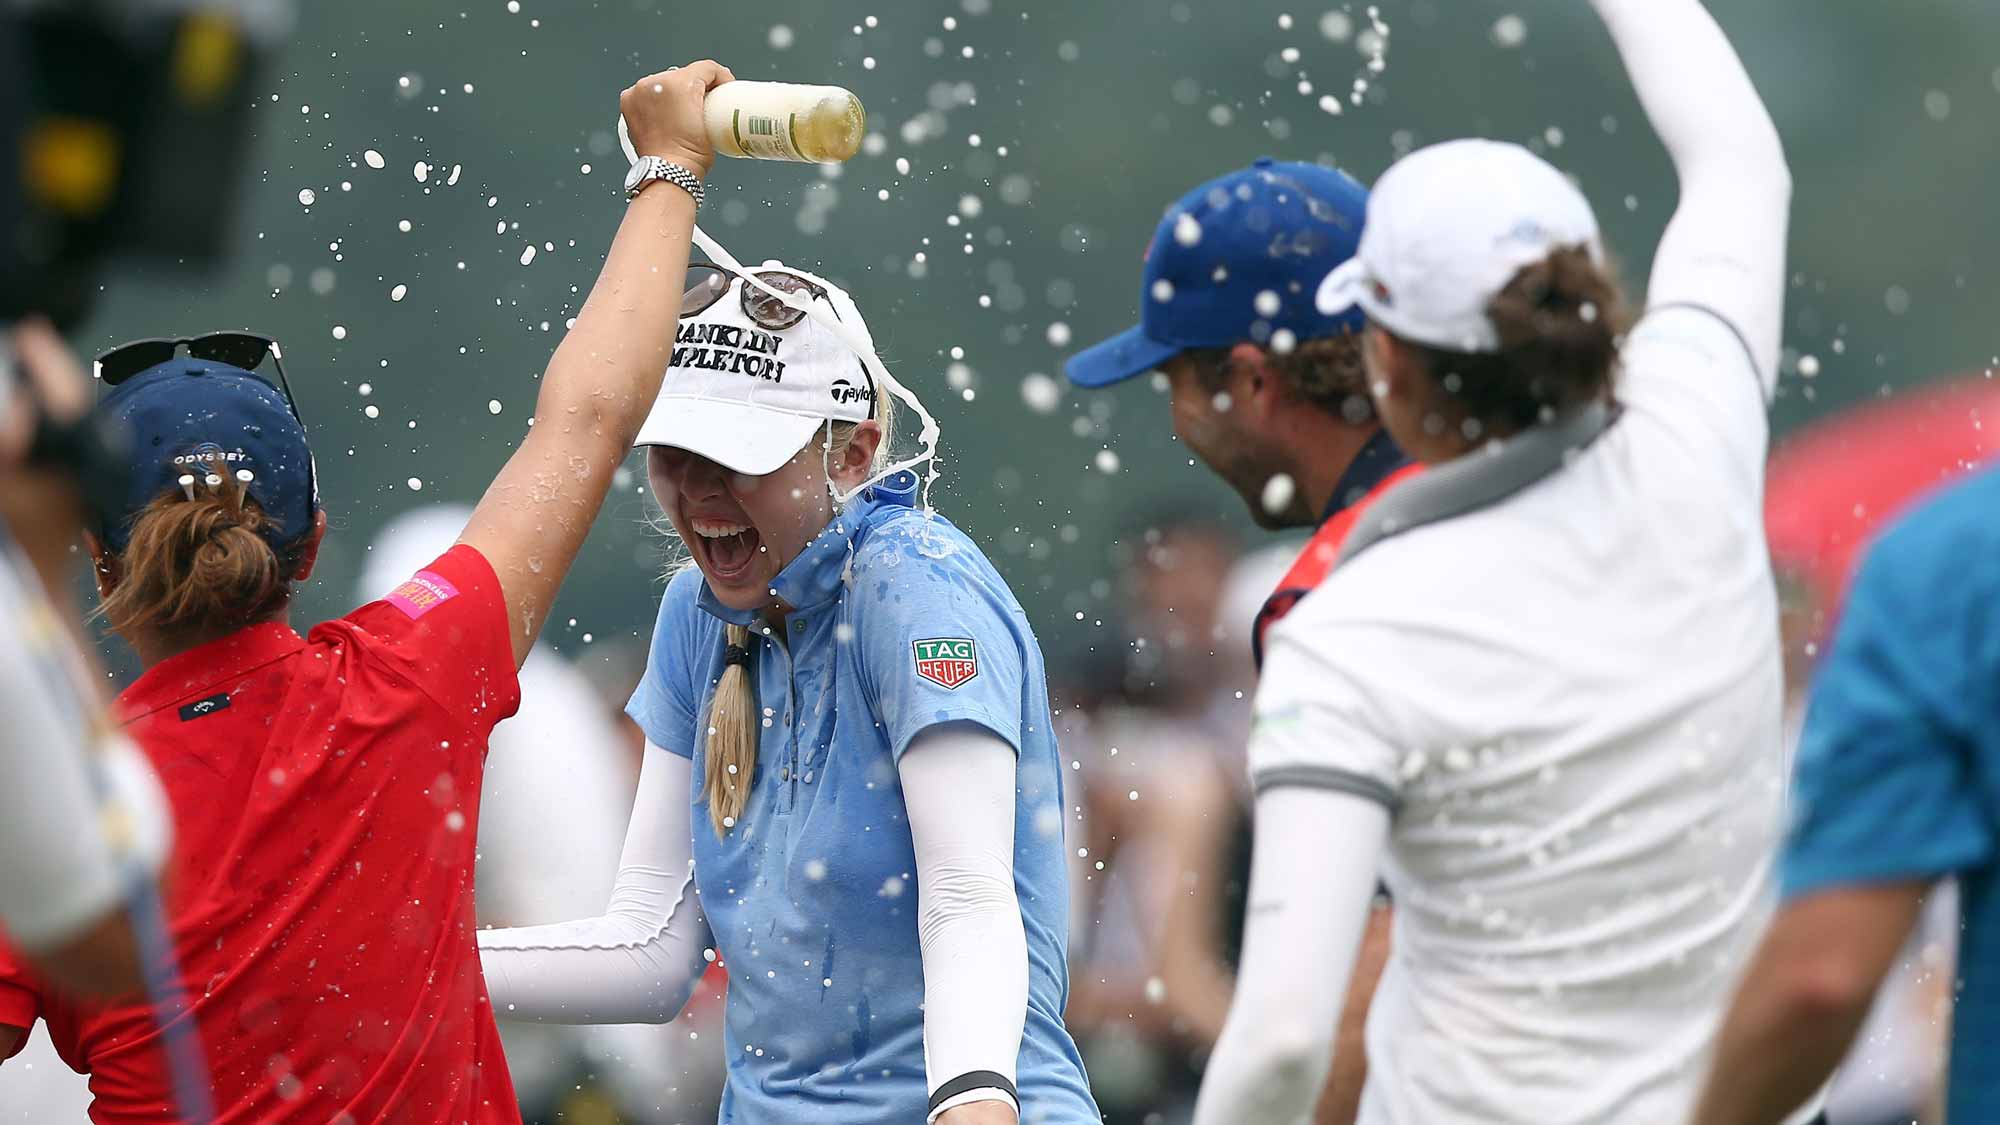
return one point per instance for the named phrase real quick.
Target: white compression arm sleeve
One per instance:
(639, 961)
(64, 835)
(1724, 249)
(958, 785)
(1312, 882)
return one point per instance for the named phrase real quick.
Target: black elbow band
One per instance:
(972, 1080)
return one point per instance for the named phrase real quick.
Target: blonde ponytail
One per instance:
(733, 727)
(732, 735)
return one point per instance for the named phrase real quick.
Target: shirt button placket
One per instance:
(791, 685)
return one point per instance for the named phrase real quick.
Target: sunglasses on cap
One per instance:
(708, 283)
(245, 350)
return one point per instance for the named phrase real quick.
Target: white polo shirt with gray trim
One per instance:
(1570, 701)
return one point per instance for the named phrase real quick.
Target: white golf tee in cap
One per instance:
(748, 397)
(1448, 227)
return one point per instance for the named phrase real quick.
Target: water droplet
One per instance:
(307, 196)
(780, 37)
(492, 406)
(1042, 393)
(528, 253)
(1058, 335)
(1278, 493)
(1510, 31)
(415, 484)
(1106, 462)
(340, 332)
(399, 292)
(421, 170)
(373, 159)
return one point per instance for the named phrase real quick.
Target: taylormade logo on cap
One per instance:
(845, 392)
(749, 397)
(1448, 227)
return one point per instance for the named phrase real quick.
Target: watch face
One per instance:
(637, 175)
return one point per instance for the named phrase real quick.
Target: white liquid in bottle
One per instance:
(779, 121)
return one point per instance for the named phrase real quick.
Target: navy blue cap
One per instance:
(1273, 228)
(175, 413)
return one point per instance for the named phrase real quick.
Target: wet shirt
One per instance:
(898, 623)
(325, 791)
(1569, 700)
(1899, 764)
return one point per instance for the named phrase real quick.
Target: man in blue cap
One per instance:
(1269, 392)
(1272, 395)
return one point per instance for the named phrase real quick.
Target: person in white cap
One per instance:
(851, 791)
(1540, 692)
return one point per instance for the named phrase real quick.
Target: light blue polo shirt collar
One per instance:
(815, 576)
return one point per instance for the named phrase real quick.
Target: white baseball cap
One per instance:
(1448, 227)
(749, 397)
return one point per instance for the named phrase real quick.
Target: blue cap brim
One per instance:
(1129, 353)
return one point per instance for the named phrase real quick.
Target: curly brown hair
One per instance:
(1327, 372)
(1559, 321)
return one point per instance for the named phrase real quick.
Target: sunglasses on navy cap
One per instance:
(245, 350)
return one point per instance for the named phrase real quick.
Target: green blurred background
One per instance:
(1043, 140)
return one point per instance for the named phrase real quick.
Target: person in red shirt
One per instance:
(325, 788)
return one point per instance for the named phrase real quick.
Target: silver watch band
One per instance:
(650, 168)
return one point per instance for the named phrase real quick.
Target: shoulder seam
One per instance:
(1741, 340)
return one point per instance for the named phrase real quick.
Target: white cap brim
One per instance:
(1342, 289)
(753, 440)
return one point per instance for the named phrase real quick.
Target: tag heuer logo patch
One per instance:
(947, 662)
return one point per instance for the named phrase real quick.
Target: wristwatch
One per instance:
(649, 168)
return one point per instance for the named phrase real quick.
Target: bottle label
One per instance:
(765, 137)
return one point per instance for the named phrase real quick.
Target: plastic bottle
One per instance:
(779, 121)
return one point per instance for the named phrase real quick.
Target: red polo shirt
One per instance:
(325, 794)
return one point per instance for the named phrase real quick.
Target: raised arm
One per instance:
(606, 373)
(639, 961)
(1724, 249)
(958, 783)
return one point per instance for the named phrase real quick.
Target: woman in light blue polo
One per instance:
(851, 791)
